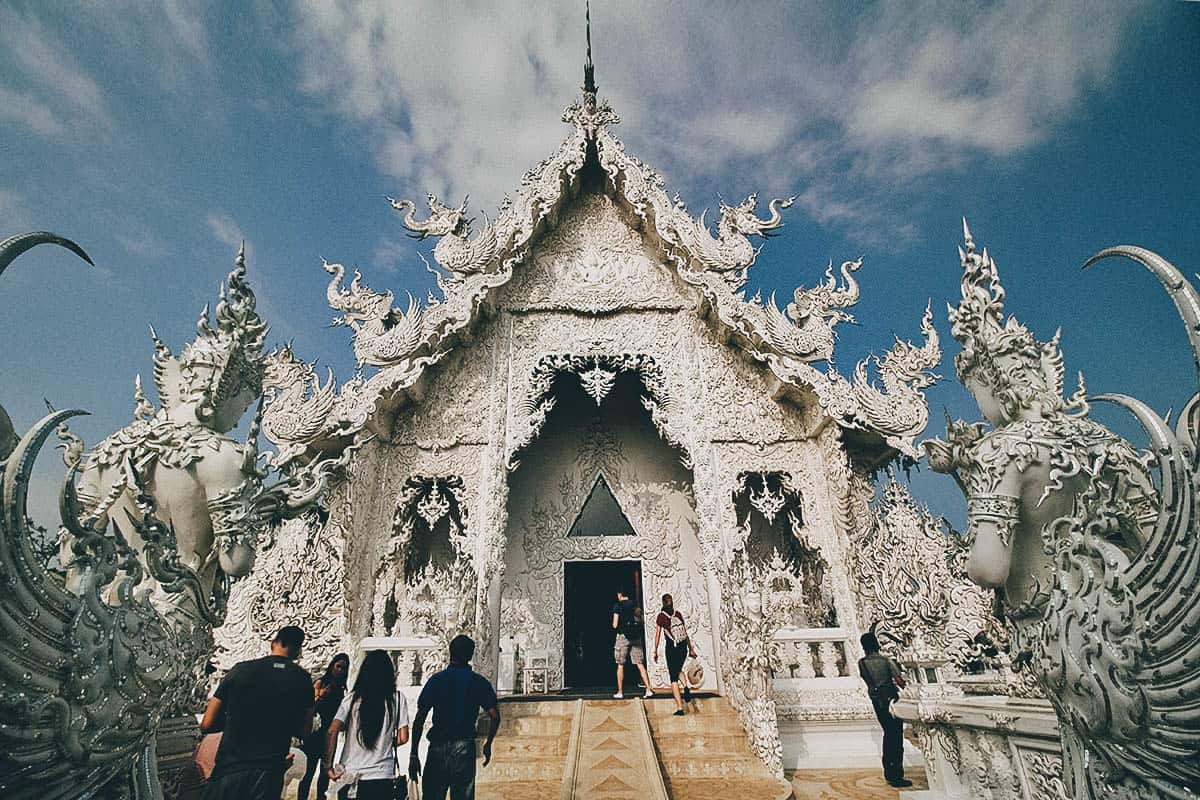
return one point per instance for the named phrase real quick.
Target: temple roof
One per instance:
(402, 343)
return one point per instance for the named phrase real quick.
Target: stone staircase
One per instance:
(706, 755)
(623, 750)
(529, 752)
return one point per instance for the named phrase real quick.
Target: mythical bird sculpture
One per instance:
(731, 253)
(297, 404)
(456, 252)
(1099, 583)
(383, 335)
(805, 328)
(905, 370)
(164, 514)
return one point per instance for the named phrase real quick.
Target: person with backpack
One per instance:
(629, 643)
(679, 645)
(884, 681)
(375, 718)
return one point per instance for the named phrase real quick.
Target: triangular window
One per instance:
(601, 514)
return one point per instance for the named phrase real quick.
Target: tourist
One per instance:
(670, 623)
(456, 694)
(629, 643)
(375, 718)
(329, 690)
(258, 706)
(884, 681)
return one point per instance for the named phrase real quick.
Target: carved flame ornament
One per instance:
(1099, 570)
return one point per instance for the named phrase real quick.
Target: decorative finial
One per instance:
(589, 69)
(142, 408)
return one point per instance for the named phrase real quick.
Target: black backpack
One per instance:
(631, 626)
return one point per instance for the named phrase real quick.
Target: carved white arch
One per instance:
(598, 372)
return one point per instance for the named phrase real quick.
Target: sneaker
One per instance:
(648, 693)
(619, 696)
(679, 712)
(900, 783)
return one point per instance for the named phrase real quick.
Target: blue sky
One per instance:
(159, 137)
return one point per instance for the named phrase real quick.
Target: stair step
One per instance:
(522, 769)
(545, 708)
(523, 746)
(535, 726)
(723, 768)
(722, 789)
(696, 724)
(702, 745)
(517, 790)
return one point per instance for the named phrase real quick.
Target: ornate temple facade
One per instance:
(592, 402)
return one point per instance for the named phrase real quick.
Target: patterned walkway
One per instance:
(616, 759)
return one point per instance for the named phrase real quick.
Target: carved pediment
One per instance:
(593, 262)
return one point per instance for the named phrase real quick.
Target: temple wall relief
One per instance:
(580, 442)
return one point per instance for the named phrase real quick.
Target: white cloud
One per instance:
(998, 79)
(30, 112)
(46, 61)
(226, 230)
(142, 242)
(457, 99)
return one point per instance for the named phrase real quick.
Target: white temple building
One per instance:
(593, 402)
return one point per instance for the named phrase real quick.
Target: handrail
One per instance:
(658, 787)
(811, 635)
(571, 767)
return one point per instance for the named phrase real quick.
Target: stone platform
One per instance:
(853, 784)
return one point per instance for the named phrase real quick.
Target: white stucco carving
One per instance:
(1096, 560)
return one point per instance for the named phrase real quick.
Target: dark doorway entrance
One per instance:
(589, 591)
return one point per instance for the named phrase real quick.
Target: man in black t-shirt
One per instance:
(259, 706)
(629, 643)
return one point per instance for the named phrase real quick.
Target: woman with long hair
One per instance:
(375, 718)
(329, 689)
(679, 645)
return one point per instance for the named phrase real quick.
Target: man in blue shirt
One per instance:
(455, 694)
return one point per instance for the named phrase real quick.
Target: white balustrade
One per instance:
(810, 653)
(416, 658)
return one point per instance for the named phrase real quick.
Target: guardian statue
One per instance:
(166, 513)
(1098, 572)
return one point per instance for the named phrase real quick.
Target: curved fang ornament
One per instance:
(11, 249)
(14, 246)
(1182, 293)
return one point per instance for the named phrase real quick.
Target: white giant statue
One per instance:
(167, 512)
(1098, 573)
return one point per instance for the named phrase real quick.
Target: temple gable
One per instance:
(593, 262)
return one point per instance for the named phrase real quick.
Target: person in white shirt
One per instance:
(375, 719)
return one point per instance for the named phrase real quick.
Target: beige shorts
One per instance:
(623, 648)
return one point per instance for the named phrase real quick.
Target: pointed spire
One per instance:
(589, 69)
